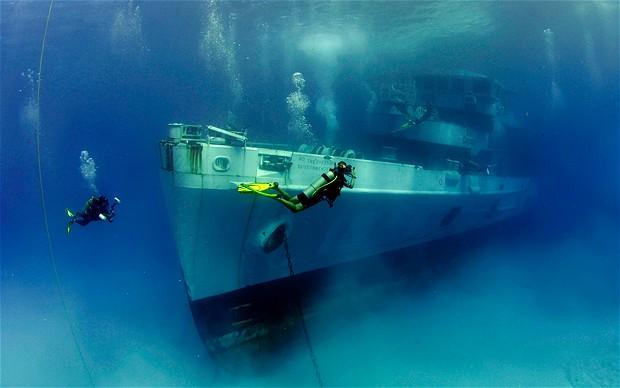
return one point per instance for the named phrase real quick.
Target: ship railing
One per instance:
(275, 146)
(232, 136)
(209, 134)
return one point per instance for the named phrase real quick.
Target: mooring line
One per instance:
(50, 247)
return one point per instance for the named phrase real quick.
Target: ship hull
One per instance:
(227, 240)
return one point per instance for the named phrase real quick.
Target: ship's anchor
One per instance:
(274, 239)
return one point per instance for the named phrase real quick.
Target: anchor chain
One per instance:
(302, 317)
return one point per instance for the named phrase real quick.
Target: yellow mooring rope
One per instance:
(50, 247)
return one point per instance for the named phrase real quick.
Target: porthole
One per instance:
(221, 163)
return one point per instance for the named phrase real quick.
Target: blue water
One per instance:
(529, 302)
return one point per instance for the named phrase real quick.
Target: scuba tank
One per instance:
(335, 176)
(321, 181)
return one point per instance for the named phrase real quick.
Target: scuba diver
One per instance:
(327, 188)
(421, 114)
(469, 166)
(97, 208)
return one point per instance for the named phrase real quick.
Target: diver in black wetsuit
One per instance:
(471, 167)
(97, 208)
(327, 188)
(421, 114)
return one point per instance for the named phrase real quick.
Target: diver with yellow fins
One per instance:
(327, 187)
(97, 208)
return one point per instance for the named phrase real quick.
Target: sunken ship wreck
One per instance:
(441, 168)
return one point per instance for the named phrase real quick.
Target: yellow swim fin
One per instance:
(254, 187)
(407, 124)
(257, 188)
(69, 227)
(70, 213)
